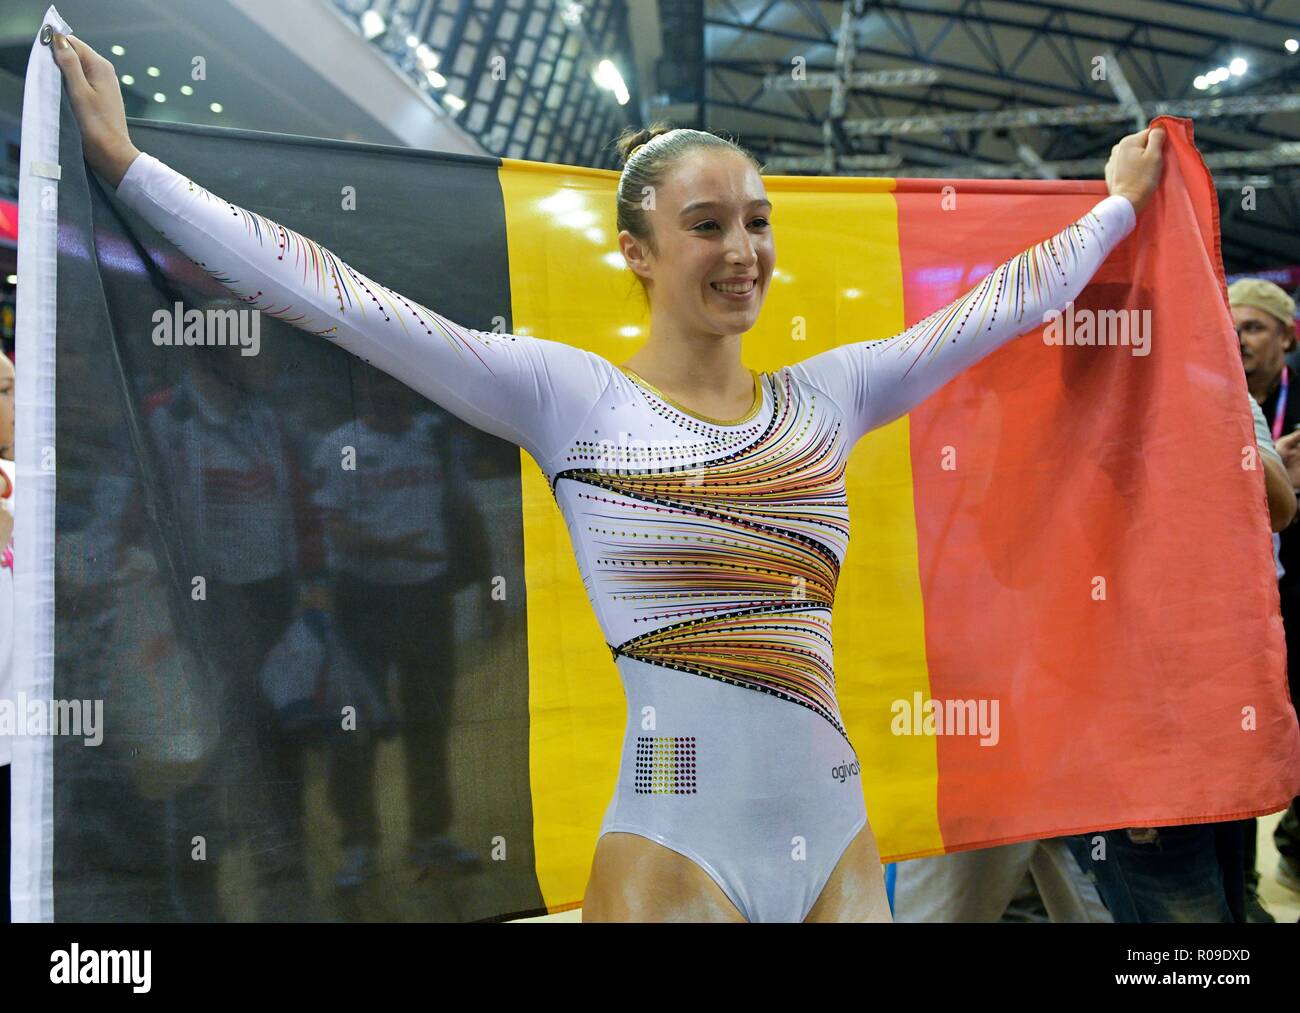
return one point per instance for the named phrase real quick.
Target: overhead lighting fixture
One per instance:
(159, 97)
(118, 51)
(607, 76)
(455, 101)
(186, 90)
(12, 279)
(412, 41)
(153, 71)
(435, 79)
(1237, 67)
(128, 80)
(372, 24)
(426, 57)
(1201, 82)
(1292, 45)
(216, 107)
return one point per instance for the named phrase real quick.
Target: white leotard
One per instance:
(709, 549)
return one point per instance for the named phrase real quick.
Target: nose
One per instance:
(740, 248)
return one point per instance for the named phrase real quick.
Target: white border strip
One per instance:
(31, 821)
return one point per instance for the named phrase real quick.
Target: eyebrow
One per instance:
(699, 204)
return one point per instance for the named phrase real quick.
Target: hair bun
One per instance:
(633, 141)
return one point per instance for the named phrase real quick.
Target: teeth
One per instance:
(739, 289)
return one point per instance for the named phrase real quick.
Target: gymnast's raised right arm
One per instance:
(527, 390)
(530, 391)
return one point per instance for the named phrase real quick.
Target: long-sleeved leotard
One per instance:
(710, 549)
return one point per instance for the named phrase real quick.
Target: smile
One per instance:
(735, 289)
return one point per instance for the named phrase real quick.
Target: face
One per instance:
(6, 408)
(1264, 341)
(712, 227)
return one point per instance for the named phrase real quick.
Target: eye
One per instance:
(761, 222)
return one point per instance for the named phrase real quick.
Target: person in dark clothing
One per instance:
(1264, 316)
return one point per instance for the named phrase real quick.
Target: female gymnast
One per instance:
(706, 502)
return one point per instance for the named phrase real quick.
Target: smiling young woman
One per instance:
(711, 558)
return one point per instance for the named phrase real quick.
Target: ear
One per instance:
(635, 253)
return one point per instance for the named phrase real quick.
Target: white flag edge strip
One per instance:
(32, 816)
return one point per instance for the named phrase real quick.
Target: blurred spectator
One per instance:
(1265, 319)
(985, 885)
(388, 485)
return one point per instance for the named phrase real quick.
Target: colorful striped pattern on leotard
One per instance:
(730, 562)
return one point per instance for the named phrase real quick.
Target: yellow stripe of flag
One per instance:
(838, 279)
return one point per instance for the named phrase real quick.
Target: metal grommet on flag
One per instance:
(47, 34)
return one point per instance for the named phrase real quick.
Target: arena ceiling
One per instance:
(1000, 87)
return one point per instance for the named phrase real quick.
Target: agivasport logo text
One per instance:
(846, 770)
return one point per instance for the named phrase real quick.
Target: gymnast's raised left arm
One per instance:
(874, 382)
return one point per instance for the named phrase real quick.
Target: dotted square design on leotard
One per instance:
(665, 765)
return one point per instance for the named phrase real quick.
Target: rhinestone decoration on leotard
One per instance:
(1019, 283)
(351, 291)
(730, 563)
(665, 765)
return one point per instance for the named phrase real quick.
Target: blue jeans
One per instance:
(1188, 873)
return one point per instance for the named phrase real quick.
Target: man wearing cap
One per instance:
(1264, 316)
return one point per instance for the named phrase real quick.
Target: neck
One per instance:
(707, 364)
(1262, 387)
(387, 423)
(220, 395)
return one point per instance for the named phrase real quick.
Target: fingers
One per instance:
(1131, 140)
(69, 61)
(98, 69)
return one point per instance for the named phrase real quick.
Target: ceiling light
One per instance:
(216, 107)
(455, 101)
(372, 24)
(572, 14)
(159, 97)
(118, 51)
(1201, 83)
(153, 71)
(607, 76)
(186, 90)
(436, 79)
(1238, 66)
(1292, 45)
(128, 80)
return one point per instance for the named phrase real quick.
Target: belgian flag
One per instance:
(1065, 551)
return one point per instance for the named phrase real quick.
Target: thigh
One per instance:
(856, 890)
(1169, 875)
(1067, 892)
(363, 613)
(635, 879)
(973, 886)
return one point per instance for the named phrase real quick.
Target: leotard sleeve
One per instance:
(530, 391)
(874, 382)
